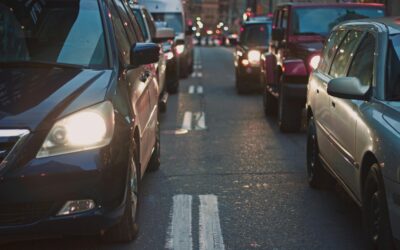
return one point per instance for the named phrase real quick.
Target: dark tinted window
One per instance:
(362, 66)
(393, 69)
(256, 35)
(344, 53)
(69, 32)
(320, 21)
(124, 45)
(330, 48)
(140, 20)
(150, 22)
(126, 21)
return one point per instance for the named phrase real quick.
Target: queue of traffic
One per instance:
(343, 71)
(80, 102)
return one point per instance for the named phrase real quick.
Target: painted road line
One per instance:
(200, 121)
(193, 75)
(179, 235)
(199, 74)
(191, 89)
(210, 234)
(199, 89)
(187, 120)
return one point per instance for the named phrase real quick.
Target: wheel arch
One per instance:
(368, 160)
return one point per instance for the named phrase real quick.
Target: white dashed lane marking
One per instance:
(179, 235)
(196, 89)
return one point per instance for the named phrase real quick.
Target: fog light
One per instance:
(78, 206)
(245, 62)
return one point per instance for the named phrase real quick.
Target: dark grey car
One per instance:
(353, 107)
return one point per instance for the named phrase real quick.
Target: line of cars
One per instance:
(344, 69)
(81, 86)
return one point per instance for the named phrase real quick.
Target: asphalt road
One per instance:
(229, 179)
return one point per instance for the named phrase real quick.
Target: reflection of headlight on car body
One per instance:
(169, 55)
(87, 129)
(180, 49)
(254, 57)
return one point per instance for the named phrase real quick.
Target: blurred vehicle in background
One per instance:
(299, 31)
(79, 121)
(152, 34)
(171, 53)
(353, 110)
(173, 13)
(253, 41)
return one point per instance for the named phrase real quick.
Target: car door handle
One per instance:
(145, 75)
(333, 104)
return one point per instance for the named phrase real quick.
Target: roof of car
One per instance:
(298, 4)
(391, 23)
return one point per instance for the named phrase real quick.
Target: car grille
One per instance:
(26, 213)
(9, 139)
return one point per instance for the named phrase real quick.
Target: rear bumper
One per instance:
(296, 91)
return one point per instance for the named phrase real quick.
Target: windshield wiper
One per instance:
(41, 64)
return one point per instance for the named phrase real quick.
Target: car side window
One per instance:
(124, 45)
(344, 54)
(330, 48)
(150, 22)
(362, 65)
(126, 22)
(142, 25)
(132, 19)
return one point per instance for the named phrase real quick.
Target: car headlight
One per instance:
(169, 55)
(254, 56)
(86, 129)
(314, 61)
(180, 49)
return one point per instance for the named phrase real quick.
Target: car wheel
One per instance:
(127, 228)
(270, 103)
(375, 211)
(289, 115)
(155, 162)
(316, 174)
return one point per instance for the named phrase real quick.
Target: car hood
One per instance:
(32, 98)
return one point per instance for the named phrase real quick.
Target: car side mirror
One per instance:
(144, 53)
(278, 35)
(348, 88)
(164, 34)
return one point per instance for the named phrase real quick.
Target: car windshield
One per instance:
(173, 20)
(52, 31)
(255, 35)
(393, 69)
(302, 23)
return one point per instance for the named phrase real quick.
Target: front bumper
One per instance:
(250, 74)
(296, 91)
(33, 194)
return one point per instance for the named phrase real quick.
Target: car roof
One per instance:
(330, 5)
(136, 6)
(392, 23)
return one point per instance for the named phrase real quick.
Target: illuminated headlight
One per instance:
(254, 57)
(180, 49)
(314, 62)
(169, 55)
(87, 129)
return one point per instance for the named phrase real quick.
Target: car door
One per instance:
(345, 113)
(319, 98)
(134, 79)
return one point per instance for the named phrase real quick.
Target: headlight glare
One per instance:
(180, 49)
(84, 130)
(254, 56)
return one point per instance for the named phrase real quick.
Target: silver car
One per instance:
(353, 110)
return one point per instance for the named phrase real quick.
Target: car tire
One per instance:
(173, 86)
(289, 114)
(154, 163)
(375, 211)
(184, 69)
(317, 176)
(127, 228)
(270, 103)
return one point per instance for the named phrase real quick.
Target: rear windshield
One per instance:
(320, 21)
(256, 35)
(173, 20)
(52, 31)
(393, 68)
